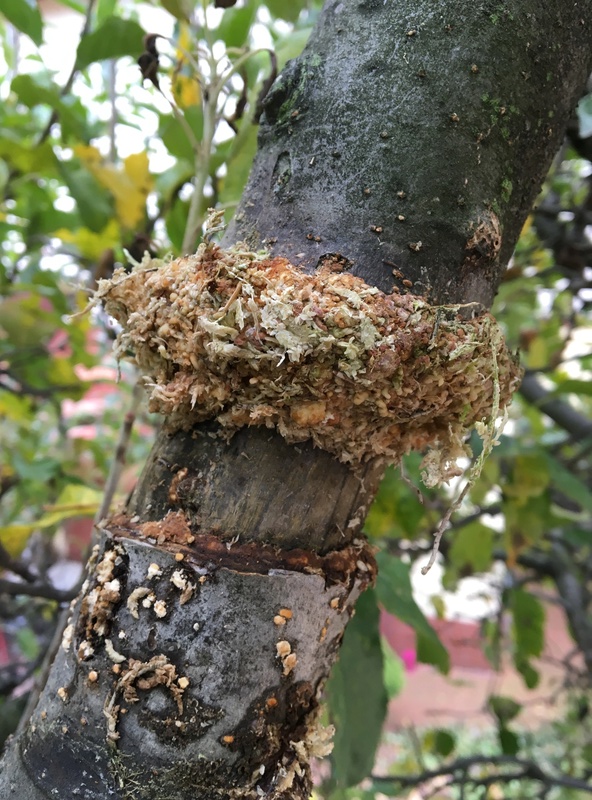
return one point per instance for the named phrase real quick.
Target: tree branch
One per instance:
(14, 588)
(459, 772)
(68, 85)
(576, 424)
(575, 598)
(14, 565)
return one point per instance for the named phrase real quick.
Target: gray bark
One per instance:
(402, 123)
(413, 121)
(170, 682)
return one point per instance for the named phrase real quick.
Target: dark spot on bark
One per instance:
(151, 641)
(157, 711)
(484, 244)
(280, 93)
(334, 262)
(282, 172)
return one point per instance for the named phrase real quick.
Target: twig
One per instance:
(562, 413)
(15, 565)
(68, 85)
(119, 457)
(459, 770)
(46, 590)
(490, 437)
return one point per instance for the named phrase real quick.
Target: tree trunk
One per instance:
(404, 147)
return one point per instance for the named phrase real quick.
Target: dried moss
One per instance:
(234, 336)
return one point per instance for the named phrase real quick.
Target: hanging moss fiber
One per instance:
(234, 336)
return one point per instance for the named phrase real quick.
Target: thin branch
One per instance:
(46, 590)
(15, 565)
(74, 71)
(459, 772)
(576, 424)
(25, 388)
(118, 462)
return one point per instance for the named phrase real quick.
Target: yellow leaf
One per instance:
(527, 225)
(14, 538)
(14, 408)
(129, 185)
(90, 244)
(185, 83)
(74, 501)
(538, 353)
(137, 169)
(88, 154)
(185, 90)
(184, 41)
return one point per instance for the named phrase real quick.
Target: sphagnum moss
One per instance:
(234, 336)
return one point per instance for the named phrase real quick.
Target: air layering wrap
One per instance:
(234, 336)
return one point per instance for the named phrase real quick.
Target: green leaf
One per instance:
(28, 159)
(530, 675)
(115, 38)
(528, 625)
(444, 742)
(528, 630)
(238, 168)
(472, 546)
(4, 175)
(291, 45)
(566, 482)
(169, 181)
(509, 741)
(42, 469)
(396, 508)
(80, 8)
(75, 500)
(176, 221)
(573, 386)
(35, 89)
(15, 408)
(526, 523)
(282, 10)
(394, 591)
(504, 708)
(530, 477)
(173, 134)
(94, 203)
(178, 9)
(26, 17)
(28, 643)
(394, 670)
(236, 24)
(105, 9)
(357, 698)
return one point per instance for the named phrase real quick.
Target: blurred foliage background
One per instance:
(101, 160)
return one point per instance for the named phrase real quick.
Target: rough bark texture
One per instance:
(408, 142)
(137, 703)
(416, 134)
(304, 498)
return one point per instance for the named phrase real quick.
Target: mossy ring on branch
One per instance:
(238, 337)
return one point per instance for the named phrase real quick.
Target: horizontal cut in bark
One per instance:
(234, 336)
(154, 675)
